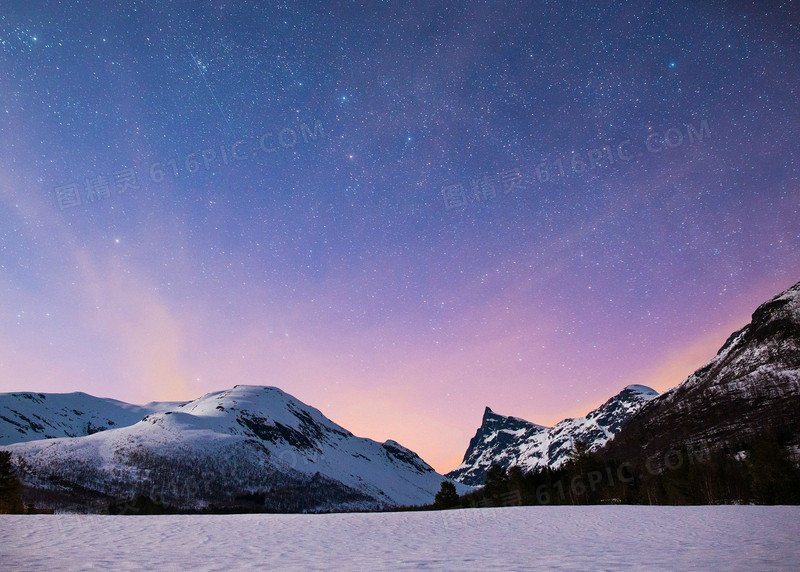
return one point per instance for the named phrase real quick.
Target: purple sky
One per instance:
(429, 210)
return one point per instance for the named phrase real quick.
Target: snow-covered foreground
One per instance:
(608, 537)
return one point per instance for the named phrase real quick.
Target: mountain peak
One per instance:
(244, 439)
(785, 307)
(643, 389)
(510, 441)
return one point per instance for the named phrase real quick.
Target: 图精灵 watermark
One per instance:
(486, 187)
(102, 186)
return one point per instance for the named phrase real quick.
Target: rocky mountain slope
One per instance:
(508, 441)
(751, 388)
(30, 416)
(248, 446)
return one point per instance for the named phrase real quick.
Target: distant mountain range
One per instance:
(508, 441)
(254, 447)
(31, 416)
(250, 446)
(751, 389)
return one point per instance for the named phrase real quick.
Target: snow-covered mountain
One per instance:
(250, 444)
(508, 441)
(750, 389)
(31, 416)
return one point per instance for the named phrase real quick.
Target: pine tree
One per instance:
(579, 458)
(447, 497)
(496, 484)
(775, 479)
(10, 486)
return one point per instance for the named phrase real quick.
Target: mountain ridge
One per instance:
(508, 441)
(245, 442)
(29, 416)
(750, 388)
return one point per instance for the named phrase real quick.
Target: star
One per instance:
(495, 164)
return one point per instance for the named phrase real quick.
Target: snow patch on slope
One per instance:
(28, 416)
(246, 439)
(510, 441)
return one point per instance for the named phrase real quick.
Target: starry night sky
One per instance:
(397, 212)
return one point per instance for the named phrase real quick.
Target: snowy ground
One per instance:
(597, 538)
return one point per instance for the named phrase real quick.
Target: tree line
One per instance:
(763, 473)
(10, 487)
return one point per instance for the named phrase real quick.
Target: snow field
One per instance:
(514, 538)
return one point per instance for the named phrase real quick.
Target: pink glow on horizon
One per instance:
(378, 384)
(542, 350)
